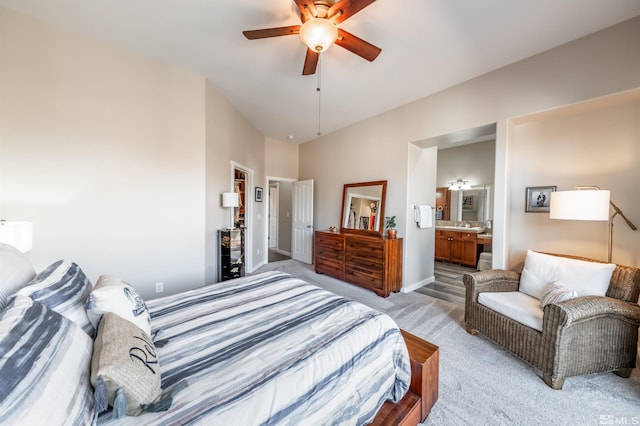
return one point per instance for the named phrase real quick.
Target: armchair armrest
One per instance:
(586, 307)
(492, 280)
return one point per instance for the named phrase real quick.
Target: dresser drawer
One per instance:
(330, 267)
(364, 248)
(329, 241)
(363, 260)
(330, 254)
(364, 277)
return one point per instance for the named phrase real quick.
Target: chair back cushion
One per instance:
(584, 277)
(625, 280)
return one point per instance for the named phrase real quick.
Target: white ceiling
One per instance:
(427, 46)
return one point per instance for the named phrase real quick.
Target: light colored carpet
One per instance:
(481, 383)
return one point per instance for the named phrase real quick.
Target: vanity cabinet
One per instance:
(457, 247)
(372, 262)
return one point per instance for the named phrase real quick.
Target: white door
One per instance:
(273, 217)
(302, 238)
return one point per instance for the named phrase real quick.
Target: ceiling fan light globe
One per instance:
(318, 34)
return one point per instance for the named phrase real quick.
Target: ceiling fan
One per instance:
(319, 30)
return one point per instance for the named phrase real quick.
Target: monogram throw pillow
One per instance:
(125, 371)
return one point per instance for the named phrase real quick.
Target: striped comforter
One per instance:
(272, 349)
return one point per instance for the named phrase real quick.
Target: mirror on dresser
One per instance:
(472, 205)
(363, 207)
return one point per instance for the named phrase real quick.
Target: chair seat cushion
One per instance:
(516, 305)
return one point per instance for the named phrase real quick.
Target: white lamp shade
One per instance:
(17, 234)
(230, 199)
(580, 205)
(318, 34)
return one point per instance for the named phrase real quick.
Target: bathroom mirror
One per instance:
(472, 205)
(363, 207)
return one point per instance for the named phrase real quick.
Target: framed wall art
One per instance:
(538, 199)
(469, 203)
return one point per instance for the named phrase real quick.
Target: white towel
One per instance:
(424, 216)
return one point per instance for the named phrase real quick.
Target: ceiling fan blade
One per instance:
(272, 32)
(310, 62)
(307, 9)
(343, 9)
(357, 45)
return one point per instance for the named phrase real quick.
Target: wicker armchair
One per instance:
(585, 335)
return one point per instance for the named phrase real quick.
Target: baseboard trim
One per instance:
(415, 286)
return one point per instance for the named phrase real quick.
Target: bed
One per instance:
(264, 349)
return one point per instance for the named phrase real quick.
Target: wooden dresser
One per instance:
(371, 262)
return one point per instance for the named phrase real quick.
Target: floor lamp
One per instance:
(587, 203)
(230, 201)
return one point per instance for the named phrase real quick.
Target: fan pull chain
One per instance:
(318, 90)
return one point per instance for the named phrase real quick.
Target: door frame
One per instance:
(248, 211)
(272, 240)
(268, 180)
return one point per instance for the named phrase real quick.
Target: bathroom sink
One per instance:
(475, 229)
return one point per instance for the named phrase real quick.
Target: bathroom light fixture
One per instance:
(230, 200)
(17, 234)
(459, 185)
(318, 34)
(587, 203)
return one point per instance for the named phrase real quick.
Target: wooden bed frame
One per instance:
(415, 406)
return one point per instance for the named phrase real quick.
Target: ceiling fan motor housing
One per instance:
(319, 34)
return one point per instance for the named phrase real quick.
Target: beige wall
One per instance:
(421, 183)
(474, 162)
(591, 143)
(597, 65)
(281, 159)
(230, 138)
(118, 161)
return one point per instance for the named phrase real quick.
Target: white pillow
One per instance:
(15, 272)
(556, 293)
(112, 295)
(584, 277)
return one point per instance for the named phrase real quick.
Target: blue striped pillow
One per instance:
(45, 362)
(64, 288)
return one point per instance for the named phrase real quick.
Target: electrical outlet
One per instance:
(159, 287)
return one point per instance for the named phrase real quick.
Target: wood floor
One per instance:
(275, 256)
(448, 284)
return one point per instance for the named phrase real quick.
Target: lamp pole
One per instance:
(617, 211)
